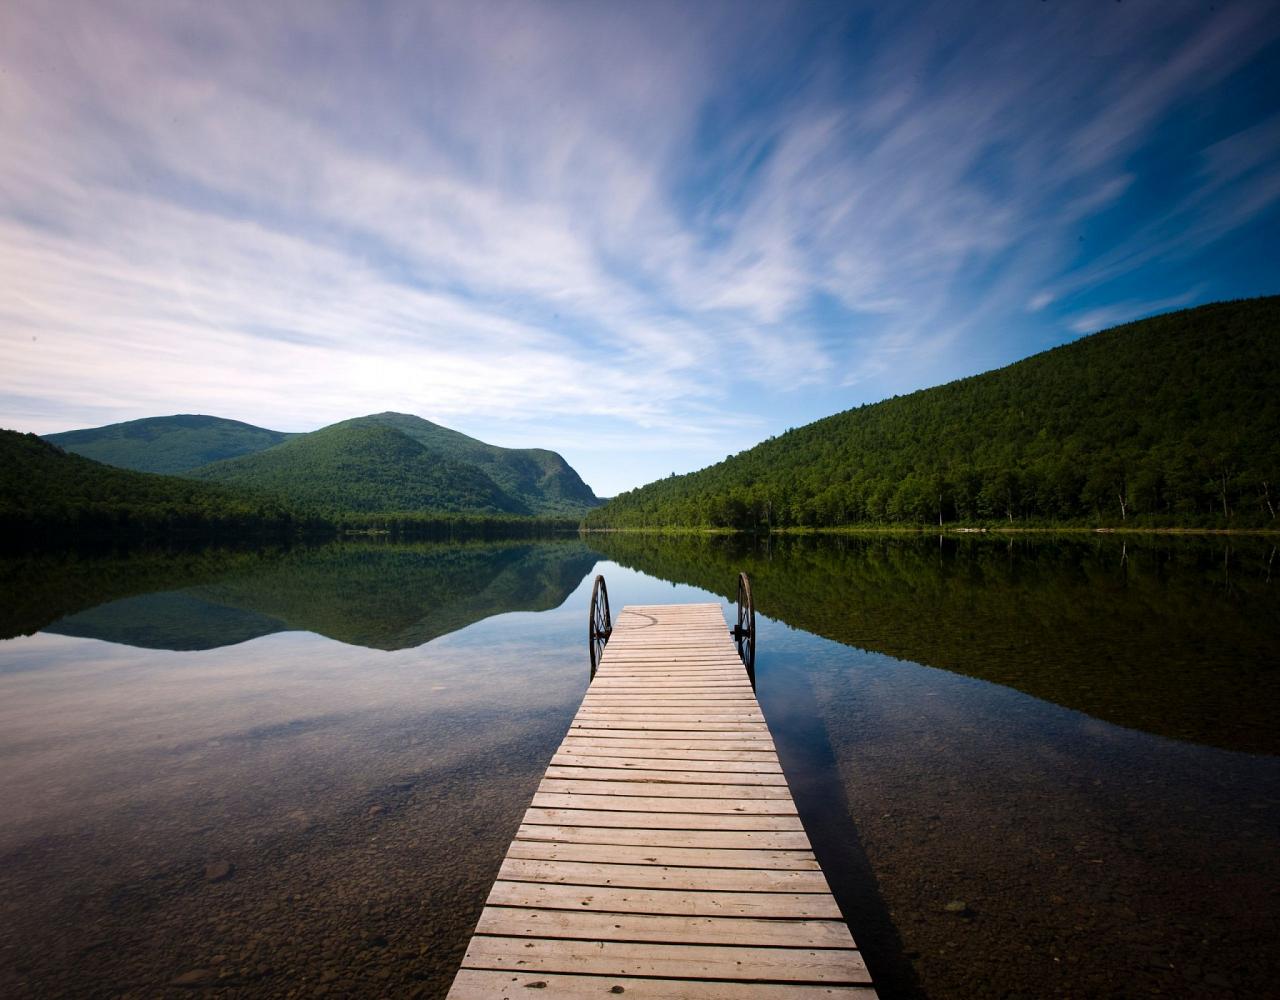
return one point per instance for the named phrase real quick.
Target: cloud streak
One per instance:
(632, 230)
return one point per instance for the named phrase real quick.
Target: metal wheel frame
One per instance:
(744, 632)
(599, 623)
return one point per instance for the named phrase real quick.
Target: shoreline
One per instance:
(939, 530)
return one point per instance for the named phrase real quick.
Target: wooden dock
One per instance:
(662, 856)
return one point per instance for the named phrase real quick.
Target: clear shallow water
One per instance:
(278, 772)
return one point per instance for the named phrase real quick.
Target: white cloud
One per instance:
(1122, 312)
(565, 217)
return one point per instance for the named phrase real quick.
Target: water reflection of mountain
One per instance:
(380, 596)
(1173, 636)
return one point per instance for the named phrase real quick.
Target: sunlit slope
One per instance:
(540, 479)
(168, 444)
(393, 462)
(1172, 419)
(367, 468)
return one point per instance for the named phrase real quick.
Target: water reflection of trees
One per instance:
(383, 596)
(1174, 636)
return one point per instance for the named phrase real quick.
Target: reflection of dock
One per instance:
(662, 856)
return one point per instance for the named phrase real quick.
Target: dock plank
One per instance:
(685, 961)
(711, 775)
(691, 857)
(606, 899)
(475, 984)
(515, 921)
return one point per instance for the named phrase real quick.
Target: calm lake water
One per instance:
(1038, 767)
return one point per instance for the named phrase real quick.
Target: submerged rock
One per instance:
(196, 977)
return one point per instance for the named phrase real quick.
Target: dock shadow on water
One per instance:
(1040, 767)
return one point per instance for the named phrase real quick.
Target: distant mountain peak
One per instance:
(383, 461)
(172, 444)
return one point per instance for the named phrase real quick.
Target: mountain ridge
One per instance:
(167, 445)
(429, 467)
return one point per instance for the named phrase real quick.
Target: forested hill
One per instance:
(168, 444)
(384, 462)
(539, 479)
(49, 496)
(369, 468)
(1169, 420)
(396, 463)
(44, 489)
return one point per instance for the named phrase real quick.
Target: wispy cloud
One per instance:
(631, 227)
(1122, 312)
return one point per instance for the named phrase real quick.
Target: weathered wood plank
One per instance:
(488, 984)
(614, 684)
(765, 840)
(660, 804)
(687, 961)
(673, 726)
(671, 741)
(517, 921)
(661, 877)
(651, 716)
(585, 898)
(698, 857)
(665, 751)
(715, 702)
(589, 757)
(647, 775)
(662, 789)
(578, 815)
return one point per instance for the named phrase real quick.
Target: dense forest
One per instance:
(45, 491)
(369, 468)
(399, 463)
(539, 480)
(1173, 420)
(49, 496)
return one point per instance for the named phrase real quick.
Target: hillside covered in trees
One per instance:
(46, 490)
(48, 495)
(538, 480)
(1172, 420)
(387, 463)
(363, 467)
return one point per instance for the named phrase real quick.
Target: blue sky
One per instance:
(646, 235)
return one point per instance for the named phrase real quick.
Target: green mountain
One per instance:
(540, 479)
(395, 463)
(168, 444)
(43, 488)
(1170, 420)
(366, 468)
(382, 463)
